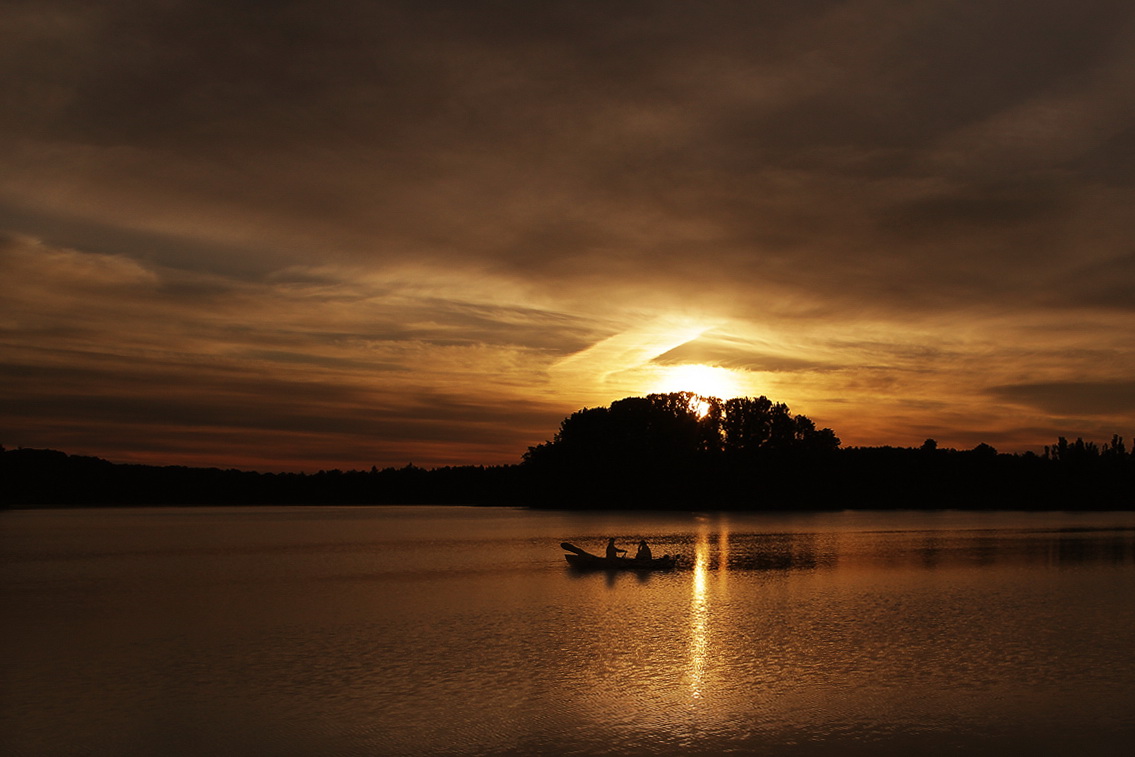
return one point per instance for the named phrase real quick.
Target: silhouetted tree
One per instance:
(668, 446)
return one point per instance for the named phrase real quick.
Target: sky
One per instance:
(336, 234)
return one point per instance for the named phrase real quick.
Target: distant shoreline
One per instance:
(662, 452)
(847, 479)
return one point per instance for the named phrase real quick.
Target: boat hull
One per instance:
(594, 562)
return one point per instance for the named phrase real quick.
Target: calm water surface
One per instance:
(459, 631)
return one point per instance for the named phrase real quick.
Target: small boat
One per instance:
(580, 558)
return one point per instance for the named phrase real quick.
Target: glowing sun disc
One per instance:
(704, 380)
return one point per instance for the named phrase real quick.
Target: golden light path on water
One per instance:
(722, 555)
(700, 602)
(699, 615)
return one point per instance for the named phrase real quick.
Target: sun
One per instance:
(703, 380)
(700, 407)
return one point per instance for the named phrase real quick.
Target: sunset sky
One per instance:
(304, 235)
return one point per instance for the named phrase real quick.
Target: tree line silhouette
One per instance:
(676, 450)
(671, 448)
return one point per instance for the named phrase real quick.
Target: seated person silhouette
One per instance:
(612, 550)
(643, 551)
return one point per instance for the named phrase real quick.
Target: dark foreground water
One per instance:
(457, 631)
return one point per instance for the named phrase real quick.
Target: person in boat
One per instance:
(612, 550)
(643, 551)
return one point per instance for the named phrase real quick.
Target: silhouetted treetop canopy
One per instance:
(675, 428)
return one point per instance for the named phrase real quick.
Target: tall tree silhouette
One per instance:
(667, 446)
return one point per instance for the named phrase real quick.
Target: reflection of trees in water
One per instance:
(1053, 549)
(930, 551)
(1112, 548)
(787, 551)
(935, 550)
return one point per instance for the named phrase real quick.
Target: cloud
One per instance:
(731, 352)
(1073, 398)
(94, 341)
(872, 209)
(1104, 284)
(23, 260)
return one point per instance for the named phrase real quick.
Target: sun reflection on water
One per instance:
(699, 615)
(722, 555)
(700, 601)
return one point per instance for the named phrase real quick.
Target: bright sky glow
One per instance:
(704, 380)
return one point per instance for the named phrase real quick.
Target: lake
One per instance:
(462, 631)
